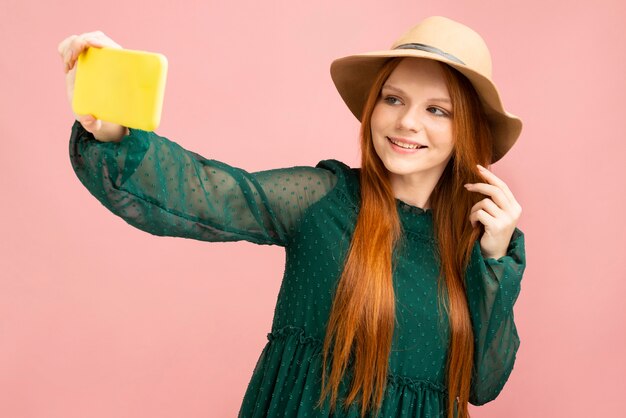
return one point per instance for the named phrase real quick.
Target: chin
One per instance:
(403, 167)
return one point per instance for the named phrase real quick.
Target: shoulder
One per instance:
(347, 178)
(336, 166)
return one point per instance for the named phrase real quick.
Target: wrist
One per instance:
(494, 256)
(111, 132)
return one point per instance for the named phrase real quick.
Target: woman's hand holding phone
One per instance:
(69, 49)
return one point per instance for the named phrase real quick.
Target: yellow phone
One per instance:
(122, 86)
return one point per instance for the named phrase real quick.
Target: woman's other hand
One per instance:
(499, 214)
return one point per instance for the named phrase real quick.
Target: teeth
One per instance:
(403, 145)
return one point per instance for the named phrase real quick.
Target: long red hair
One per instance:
(362, 317)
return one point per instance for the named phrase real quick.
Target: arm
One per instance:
(159, 187)
(493, 286)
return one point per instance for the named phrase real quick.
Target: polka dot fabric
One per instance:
(161, 188)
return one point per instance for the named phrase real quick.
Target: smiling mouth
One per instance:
(405, 145)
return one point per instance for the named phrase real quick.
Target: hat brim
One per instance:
(353, 76)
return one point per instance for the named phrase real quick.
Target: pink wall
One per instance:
(98, 319)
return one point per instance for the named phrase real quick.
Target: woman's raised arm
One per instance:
(158, 186)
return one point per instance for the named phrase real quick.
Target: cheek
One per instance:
(377, 140)
(380, 118)
(377, 129)
(441, 134)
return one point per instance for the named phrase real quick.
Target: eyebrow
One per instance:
(434, 99)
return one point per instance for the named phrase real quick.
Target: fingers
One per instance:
(496, 188)
(500, 209)
(64, 43)
(488, 206)
(71, 47)
(75, 48)
(481, 217)
(496, 193)
(496, 225)
(495, 180)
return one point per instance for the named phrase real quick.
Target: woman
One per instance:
(401, 275)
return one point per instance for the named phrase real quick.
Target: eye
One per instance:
(437, 111)
(390, 100)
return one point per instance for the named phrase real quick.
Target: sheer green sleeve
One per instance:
(493, 286)
(159, 187)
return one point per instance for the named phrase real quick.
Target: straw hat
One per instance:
(440, 39)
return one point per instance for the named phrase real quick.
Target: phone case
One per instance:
(122, 86)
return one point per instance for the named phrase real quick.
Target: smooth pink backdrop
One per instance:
(98, 319)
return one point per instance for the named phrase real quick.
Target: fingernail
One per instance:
(480, 167)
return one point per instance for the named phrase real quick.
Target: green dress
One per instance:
(156, 185)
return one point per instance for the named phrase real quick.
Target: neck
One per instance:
(414, 189)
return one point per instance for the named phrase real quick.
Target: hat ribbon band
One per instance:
(431, 49)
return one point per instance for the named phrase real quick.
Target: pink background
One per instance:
(98, 319)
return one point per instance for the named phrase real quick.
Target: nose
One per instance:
(409, 120)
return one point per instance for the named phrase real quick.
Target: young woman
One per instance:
(401, 275)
